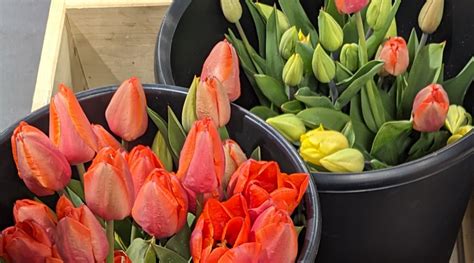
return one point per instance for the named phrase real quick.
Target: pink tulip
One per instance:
(395, 55)
(104, 138)
(350, 6)
(27, 209)
(223, 63)
(430, 108)
(142, 160)
(212, 101)
(69, 128)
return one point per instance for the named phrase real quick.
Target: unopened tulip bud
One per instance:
(266, 11)
(234, 157)
(290, 126)
(350, 6)
(430, 15)
(377, 13)
(319, 143)
(395, 55)
(188, 115)
(323, 66)
(305, 39)
(232, 10)
(457, 117)
(460, 133)
(392, 30)
(288, 42)
(430, 108)
(293, 70)
(349, 56)
(212, 102)
(330, 32)
(344, 161)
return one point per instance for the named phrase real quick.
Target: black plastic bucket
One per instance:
(242, 123)
(410, 213)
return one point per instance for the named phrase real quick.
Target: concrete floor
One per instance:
(22, 26)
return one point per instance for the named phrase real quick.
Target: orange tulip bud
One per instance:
(142, 160)
(69, 128)
(126, 113)
(108, 185)
(247, 252)
(212, 101)
(430, 108)
(79, 234)
(27, 209)
(104, 138)
(201, 163)
(350, 6)
(121, 257)
(42, 167)
(161, 206)
(223, 63)
(395, 55)
(234, 156)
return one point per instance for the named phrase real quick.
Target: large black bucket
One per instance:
(410, 213)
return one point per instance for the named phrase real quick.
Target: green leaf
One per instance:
(372, 107)
(292, 106)
(348, 131)
(392, 141)
(412, 46)
(357, 81)
(342, 73)
(428, 143)
(306, 52)
(423, 72)
(363, 136)
(272, 89)
(297, 16)
(141, 251)
(75, 199)
(76, 187)
(457, 87)
(374, 41)
(312, 99)
(161, 149)
(331, 119)
(274, 62)
(160, 123)
(259, 25)
(256, 154)
(263, 112)
(376, 164)
(167, 255)
(350, 31)
(389, 104)
(331, 8)
(179, 243)
(224, 134)
(176, 133)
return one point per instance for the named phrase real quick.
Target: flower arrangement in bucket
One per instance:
(129, 206)
(345, 91)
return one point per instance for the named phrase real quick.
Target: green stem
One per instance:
(199, 204)
(62, 192)
(333, 92)
(110, 239)
(243, 36)
(362, 43)
(424, 38)
(81, 170)
(125, 144)
(133, 233)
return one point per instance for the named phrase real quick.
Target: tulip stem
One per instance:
(363, 45)
(110, 239)
(333, 92)
(81, 170)
(369, 32)
(199, 204)
(247, 45)
(133, 233)
(125, 145)
(424, 38)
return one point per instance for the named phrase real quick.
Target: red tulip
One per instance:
(42, 167)
(161, 206)
(104, 138)
(223, 63)
(274, 230)
(142, 160)
(126, 113)
(201, 163)
(108, 185)
(395, 55)
(80, 237)
(247, 252)
(69, 128)
(430, 108)
(234, 157)
(121, 257)
(212, 101)
(350, 6)
(27, 209)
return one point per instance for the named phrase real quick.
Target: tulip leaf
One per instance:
(76, 187)
(161, 149)
(384, 148)
(312, 99)
(119, 242)
(141, 251)
(423, 72)
(75, 199)
(428, 143)
(412, 46)
(376, 164)
(160, 123)
(457, 87)
(176, 134)
(372, 107)
(348, 131)
(274, 65)
(297, 16)
(179, 243)
(167, 255)
(272, 89)
(329, 118)
(292, 106)
(223, 133)
(263, 112)
(357, 81)
(306, 53)
(259, 25)
(350, 31)
(389, 104)
(374, 41)
(342, 73)
(363, 136)
(331, 8)
(256, 154)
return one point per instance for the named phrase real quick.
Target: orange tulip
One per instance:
(142, 160)
(263, 184)
(247, 252)
(126, 113)
(80, 237)
(234, 157)
(212, 101)
(201, 163)
(350, 6)
(69, 128)
(430, 108)
(27, 209)
(121, 257)
(104, 138)
(108, 185)
(223, 63)
(161, 206)
(395, 55)
(274, 230)
(42, 167)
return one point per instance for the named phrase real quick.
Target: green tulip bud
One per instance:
(347, 160)
(189, 115)
(392, 30)
(290, 126)
(457, 117)
(293, 70)
(160, 148)
(460, 133)
(349, 56)
(266, 11)
(323, 66)
(288, 42)
(330, 33)
(430, 15)
(232, 10)
(377, 13)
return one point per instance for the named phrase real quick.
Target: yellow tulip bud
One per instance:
(457, 117)
(330, 32)
(293, 70)
(318, 143)
(232, 10)
(430, 15)
(290, 126)
(460, 133)
(344, 161)
(323, 66)
(305, 39)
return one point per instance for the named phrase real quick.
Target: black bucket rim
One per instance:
(311, 195)
(367, 181)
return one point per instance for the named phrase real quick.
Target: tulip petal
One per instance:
(74, 241)
(248, 252)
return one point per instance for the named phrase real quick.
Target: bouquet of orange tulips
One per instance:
(352, 75)
(219, 206)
